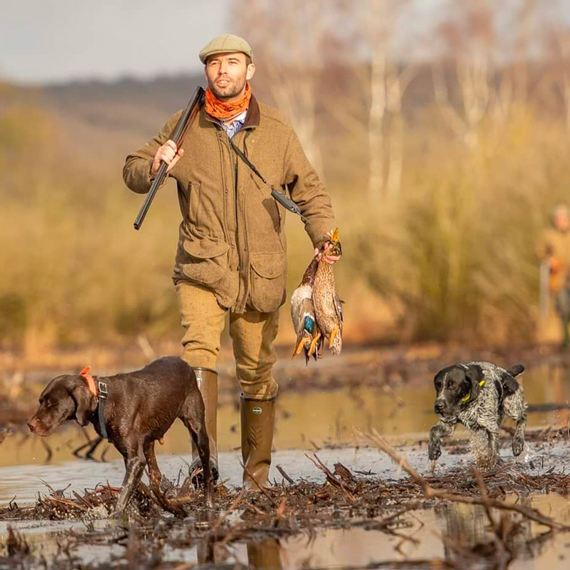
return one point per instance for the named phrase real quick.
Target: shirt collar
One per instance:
(238, 118)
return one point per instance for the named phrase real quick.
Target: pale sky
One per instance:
(57, 40)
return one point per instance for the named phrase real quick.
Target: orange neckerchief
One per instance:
(227, 110)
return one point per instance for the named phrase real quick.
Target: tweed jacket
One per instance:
(232, 235)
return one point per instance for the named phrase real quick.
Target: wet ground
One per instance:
(319, 525)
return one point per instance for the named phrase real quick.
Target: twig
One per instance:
(503, 551)
(235, 504)
(285, 476)
(260, 487)
(331, 478)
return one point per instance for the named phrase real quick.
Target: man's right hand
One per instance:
(167, 153)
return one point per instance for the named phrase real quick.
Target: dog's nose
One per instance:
(438, 408)
(32, 425)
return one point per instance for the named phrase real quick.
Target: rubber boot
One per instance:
(257, 420)
(207, 380)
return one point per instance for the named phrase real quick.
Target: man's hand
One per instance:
(328, 258)
(167, 153)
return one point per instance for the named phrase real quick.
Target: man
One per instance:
(554, 250)
(232, 252)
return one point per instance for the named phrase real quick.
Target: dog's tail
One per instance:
(516, 370)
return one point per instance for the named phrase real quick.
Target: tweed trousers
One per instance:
(252, 334)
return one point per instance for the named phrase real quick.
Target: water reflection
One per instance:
(265, 554)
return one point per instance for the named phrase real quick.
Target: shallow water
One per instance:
(305, 421)
(425, 534)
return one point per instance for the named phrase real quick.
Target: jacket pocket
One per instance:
(268, 280)
(207, 261)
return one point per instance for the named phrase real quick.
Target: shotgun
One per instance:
(177, 136)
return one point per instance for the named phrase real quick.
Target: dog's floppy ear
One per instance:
(474, 373)
(438, 379)
(82, 398)
(510, 385)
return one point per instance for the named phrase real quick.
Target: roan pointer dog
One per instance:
(478, 395)
(132, 410)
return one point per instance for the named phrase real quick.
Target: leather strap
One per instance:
(279, 196)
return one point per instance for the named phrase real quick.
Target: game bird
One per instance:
(303, 314)
(326, 302)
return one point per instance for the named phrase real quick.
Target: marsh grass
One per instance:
(451, 258)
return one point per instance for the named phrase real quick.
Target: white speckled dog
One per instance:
(478, 395)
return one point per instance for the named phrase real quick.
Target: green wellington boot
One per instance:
(208, 385)
(257, 420)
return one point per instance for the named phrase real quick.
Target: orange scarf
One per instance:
(227, 110)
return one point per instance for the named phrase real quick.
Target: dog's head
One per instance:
(456, 386)
(64, 398)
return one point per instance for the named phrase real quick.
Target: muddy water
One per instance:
(305, 421)
(424, 535)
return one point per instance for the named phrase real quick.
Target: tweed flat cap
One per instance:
(226, 43)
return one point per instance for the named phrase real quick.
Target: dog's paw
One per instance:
(434, 449)
(518, 446)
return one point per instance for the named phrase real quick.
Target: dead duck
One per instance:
(326, 302)
(303, 314)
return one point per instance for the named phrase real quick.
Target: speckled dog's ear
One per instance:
(509, 383)
(438, 378)
(475, 375)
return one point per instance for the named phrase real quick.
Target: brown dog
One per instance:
(138, 408)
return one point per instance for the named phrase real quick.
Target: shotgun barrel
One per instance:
(177, 136)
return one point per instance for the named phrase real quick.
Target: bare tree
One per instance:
(287, 43)
(387, 86)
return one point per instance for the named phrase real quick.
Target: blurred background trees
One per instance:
(442, 135)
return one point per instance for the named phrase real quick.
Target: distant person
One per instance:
(554, 250)
(231, 255)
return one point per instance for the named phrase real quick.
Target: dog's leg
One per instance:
(439, 430)
(135, 464)
(518, 438)
(155, 477)
(515, 409)
(199, 434)
(489, 456)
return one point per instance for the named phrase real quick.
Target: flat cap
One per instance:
(226, 43)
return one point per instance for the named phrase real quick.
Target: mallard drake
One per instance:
(303, 314)
(326, 302)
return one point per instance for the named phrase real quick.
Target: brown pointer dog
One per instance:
(139, 409)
